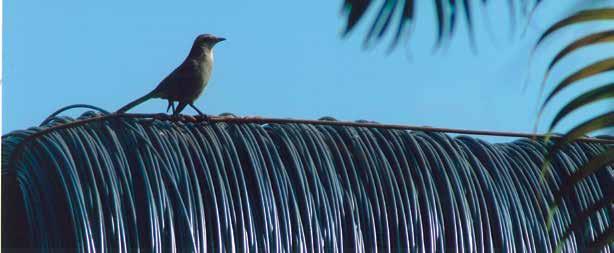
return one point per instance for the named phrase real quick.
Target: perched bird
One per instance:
(186, 82)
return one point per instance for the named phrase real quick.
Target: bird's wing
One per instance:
(171, 85)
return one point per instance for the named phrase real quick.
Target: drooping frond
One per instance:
(397, 17)
(599, 122)
(125, 183)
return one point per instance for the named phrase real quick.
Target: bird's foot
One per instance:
(201, 115)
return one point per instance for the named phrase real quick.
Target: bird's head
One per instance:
(207, 40)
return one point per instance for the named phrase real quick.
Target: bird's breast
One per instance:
(203, 70)
(205, 66)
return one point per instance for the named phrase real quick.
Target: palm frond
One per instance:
(586, 72)
(583, 218)
(605, 120)
(132, 181)
(577, 18)
(586, 41)
(600, 122)
(600, 161)
(446, 14)
(589, 97)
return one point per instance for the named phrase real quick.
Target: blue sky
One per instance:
(282, 59)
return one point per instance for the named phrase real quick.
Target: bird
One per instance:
(187, 82)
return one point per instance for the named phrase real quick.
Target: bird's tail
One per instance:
(137, 102)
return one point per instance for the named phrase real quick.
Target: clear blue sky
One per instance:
(282, 59)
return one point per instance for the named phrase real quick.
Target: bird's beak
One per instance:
(220, 39)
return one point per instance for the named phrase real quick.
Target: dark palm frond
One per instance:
(446, 14)
(605, 240)
(586, 72)
(600, 122)
(591, 96)
(593, 69)
(577, 18)
(125, 181)
(602, 160)
(586, 41)
(583, 218)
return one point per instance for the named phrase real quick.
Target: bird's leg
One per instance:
(171, 104)
(180, 108)
(196, 109)
(199, 112)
